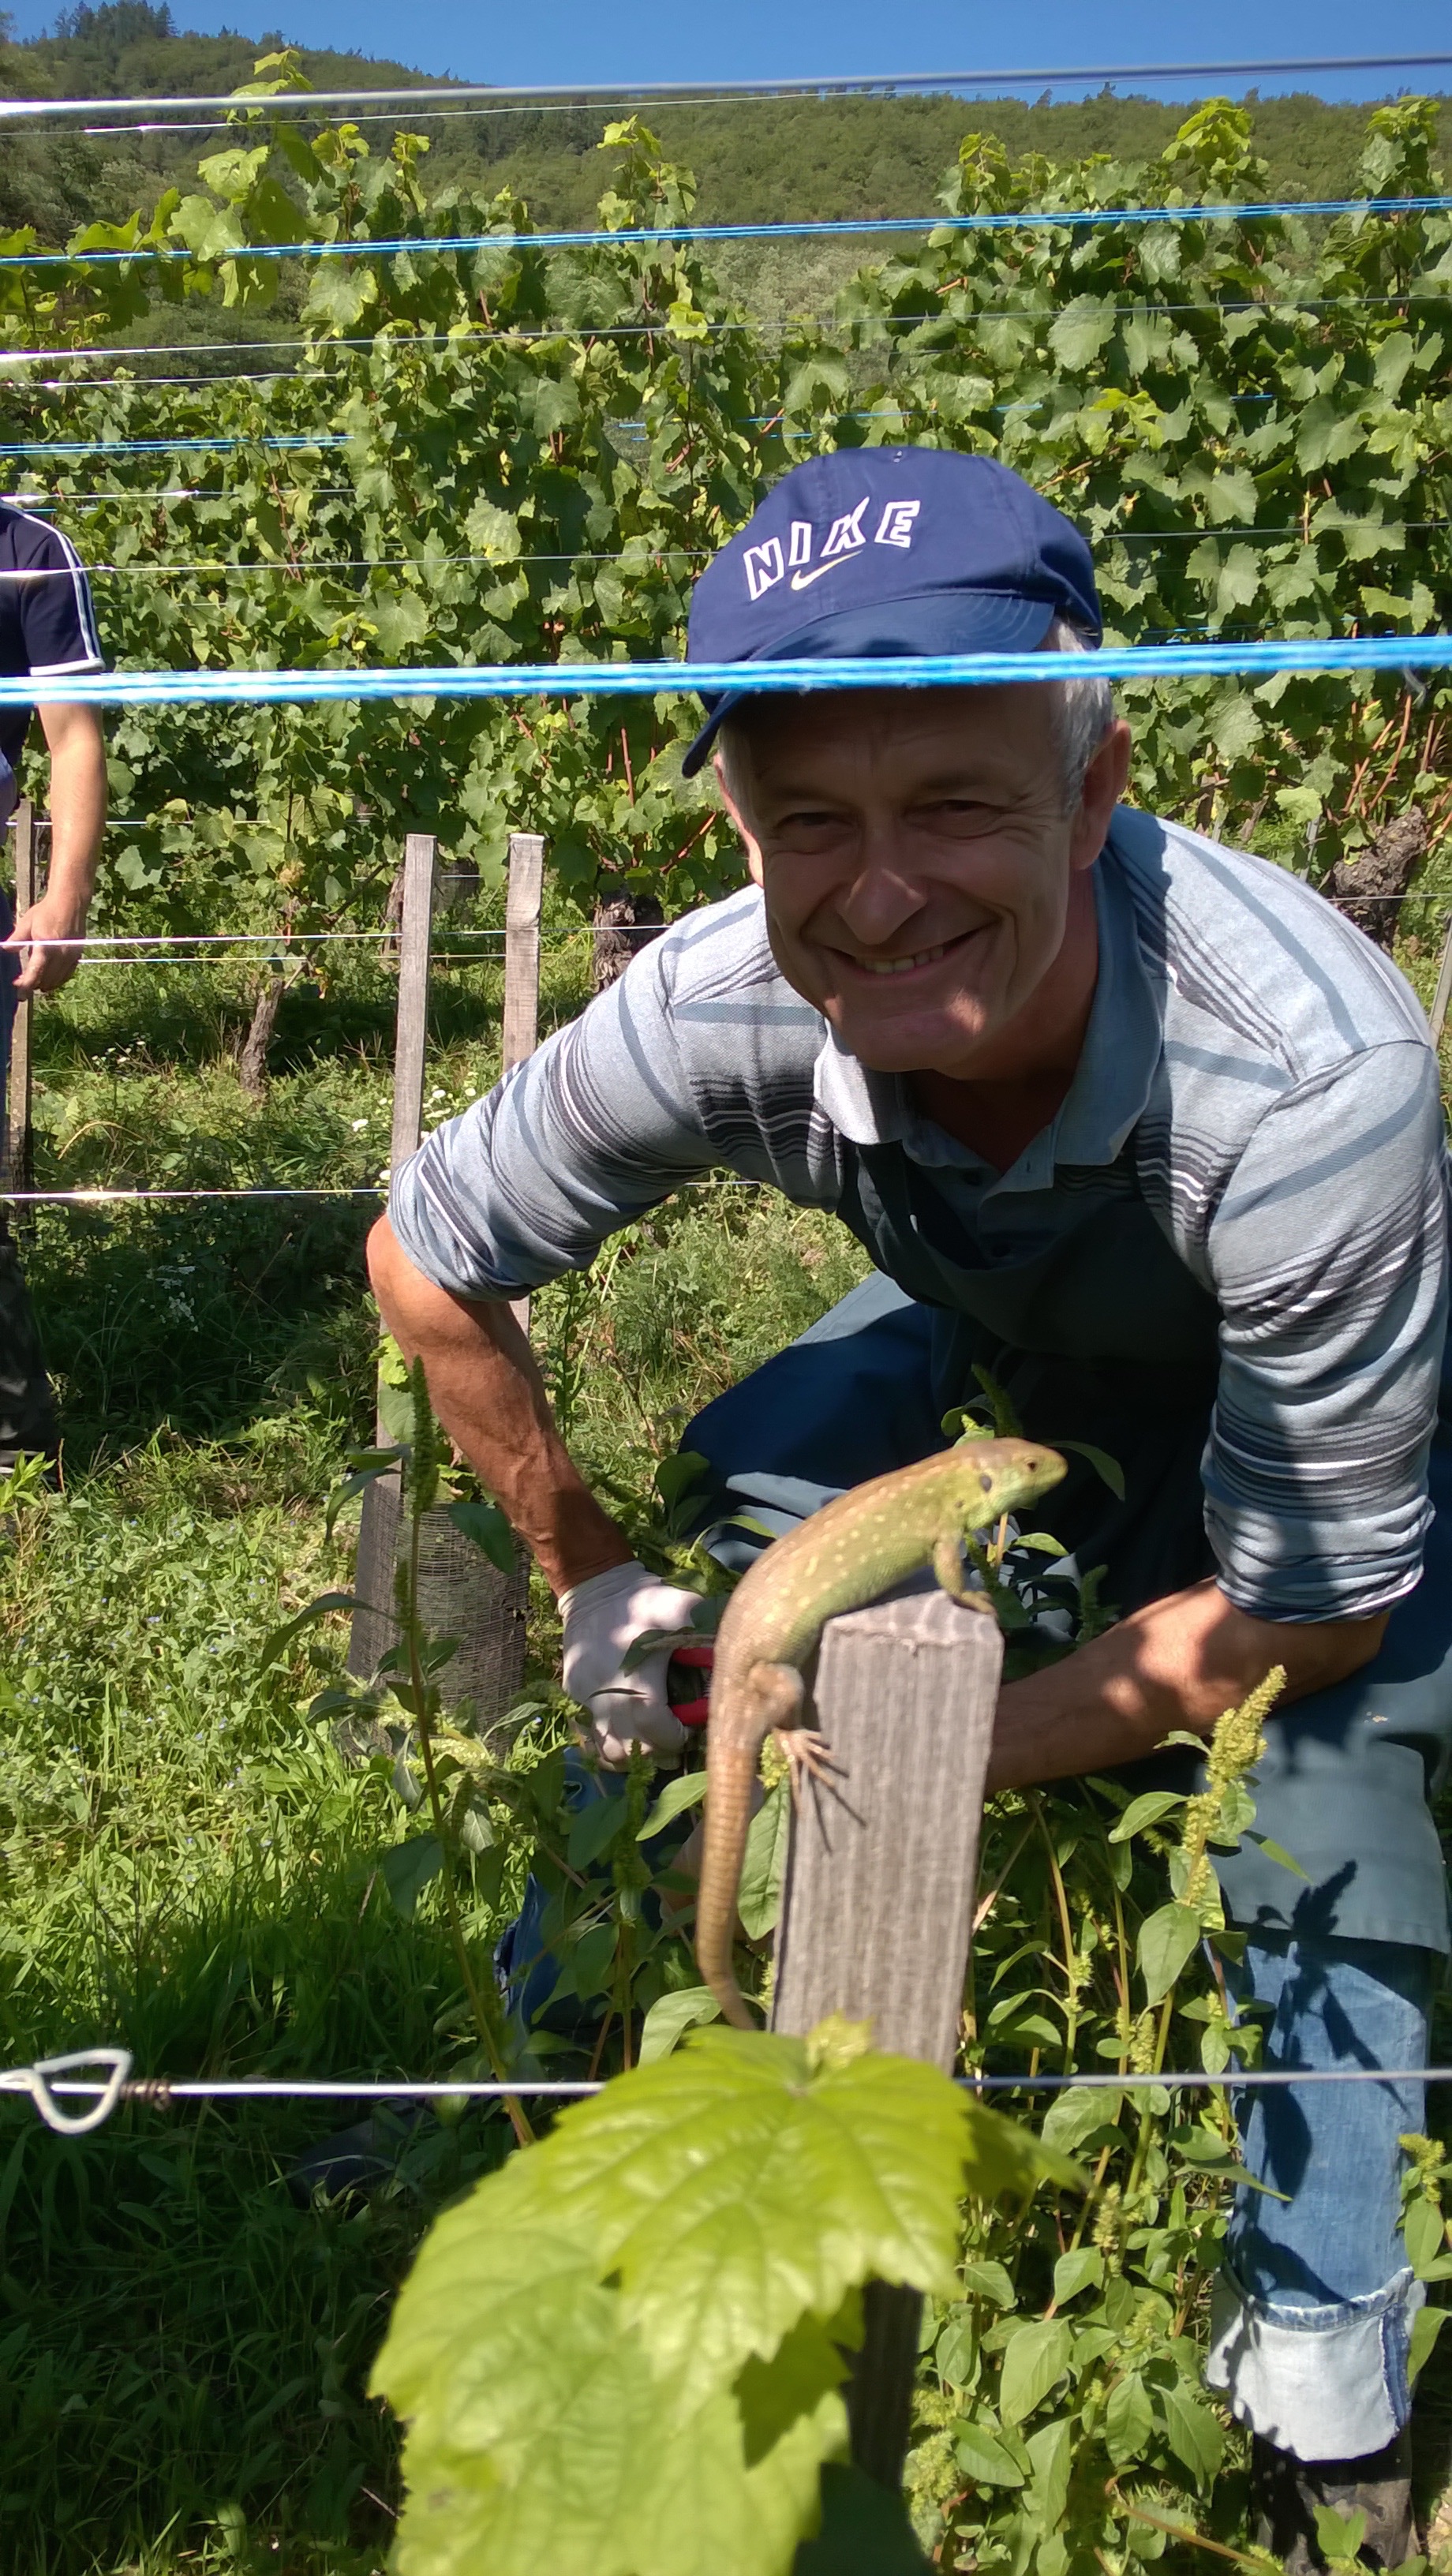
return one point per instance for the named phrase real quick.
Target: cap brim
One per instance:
(945, 621)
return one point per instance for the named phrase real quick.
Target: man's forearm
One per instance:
(77, 806)
(46, 932)
(1180, 1662)
(489, 1395)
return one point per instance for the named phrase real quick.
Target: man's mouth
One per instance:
(909, 965)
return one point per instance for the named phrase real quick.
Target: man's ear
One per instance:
(750, 845)
(1105, 781)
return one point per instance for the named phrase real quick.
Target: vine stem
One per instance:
(518, 2118)
(1182, 2531)
(1147, 2115)
(1061, 1900)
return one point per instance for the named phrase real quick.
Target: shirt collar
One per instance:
(1104, 1101)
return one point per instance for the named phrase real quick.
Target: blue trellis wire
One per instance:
(663, 236)
(156, 446)
(1264, 659)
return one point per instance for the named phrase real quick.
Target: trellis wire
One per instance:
(1202, 660)
(51, 2077)
(399, 342)
(38, 501)
(183, 443)
(146, 949)
(311, 564)
(1069, 219)
(103, 1197)
(830, 85)
(159, 446)
(431, 115)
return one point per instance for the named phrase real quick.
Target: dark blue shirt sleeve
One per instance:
(57, 620)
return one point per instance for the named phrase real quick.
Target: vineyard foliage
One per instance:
(520, 454)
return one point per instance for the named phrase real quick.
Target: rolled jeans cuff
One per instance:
(1325, 2383)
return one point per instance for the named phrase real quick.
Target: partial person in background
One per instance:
(47, 627)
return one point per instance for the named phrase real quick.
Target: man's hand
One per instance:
(487, 1391)
(43, 965)
(1177, 1663)
(77, 817)
(603, 1617)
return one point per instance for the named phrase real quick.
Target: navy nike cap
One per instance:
(889, 550)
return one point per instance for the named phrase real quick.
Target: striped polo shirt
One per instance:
(1254, 1071)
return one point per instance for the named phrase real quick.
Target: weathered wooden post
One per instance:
(460, 1594)
(410, 1043)
(1443, 994)
(877, 1913)
(523, 903)
(16, 1173)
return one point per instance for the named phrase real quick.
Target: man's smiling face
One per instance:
(917, 861)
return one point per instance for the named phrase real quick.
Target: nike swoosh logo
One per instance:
(801, 580)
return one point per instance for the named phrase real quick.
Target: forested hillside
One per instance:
(759, 158)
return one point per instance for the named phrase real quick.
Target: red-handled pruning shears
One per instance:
(684, 1689)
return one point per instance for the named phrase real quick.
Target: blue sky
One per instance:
(760, 39)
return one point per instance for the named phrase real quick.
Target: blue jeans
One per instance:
(1312, 2313)
(530, 1954)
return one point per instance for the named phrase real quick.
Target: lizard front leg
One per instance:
(949, 1569)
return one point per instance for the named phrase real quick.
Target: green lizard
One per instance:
(846, 1555)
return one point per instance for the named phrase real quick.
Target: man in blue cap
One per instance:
(1143, 1127)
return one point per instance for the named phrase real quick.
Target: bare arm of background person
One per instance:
(489, 1395)
(77, 816)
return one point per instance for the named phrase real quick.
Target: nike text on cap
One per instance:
(889, 550)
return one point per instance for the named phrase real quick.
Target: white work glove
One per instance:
(603, 1617)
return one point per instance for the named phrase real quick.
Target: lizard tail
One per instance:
(732, 1773)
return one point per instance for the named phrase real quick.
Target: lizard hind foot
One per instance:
(808, 1758)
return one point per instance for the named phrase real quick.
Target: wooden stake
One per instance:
(460, 1594)
(411, 1027)
(17, 1137)
(523, 903)
(1443, 995)
(522, 908)
(877, 1913)
(411, 1023)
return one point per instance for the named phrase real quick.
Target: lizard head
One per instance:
(1000, 1475)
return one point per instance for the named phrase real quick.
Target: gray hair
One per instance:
(1083, 711)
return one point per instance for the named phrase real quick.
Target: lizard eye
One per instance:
(987, 1483)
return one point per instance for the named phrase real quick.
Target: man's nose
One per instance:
(881, 894)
